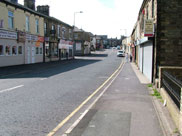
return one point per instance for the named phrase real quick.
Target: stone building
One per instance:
(21, 34)
(157, 37)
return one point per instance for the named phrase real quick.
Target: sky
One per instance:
(101, 17)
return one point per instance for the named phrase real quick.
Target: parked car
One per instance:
(118, 47)
(121, 53)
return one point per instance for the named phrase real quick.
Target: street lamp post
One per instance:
(74, 16)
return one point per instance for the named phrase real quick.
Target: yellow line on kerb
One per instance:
(82, 104)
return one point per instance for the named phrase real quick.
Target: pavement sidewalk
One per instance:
(125, 109)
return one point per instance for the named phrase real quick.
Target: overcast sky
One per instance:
(102, 17)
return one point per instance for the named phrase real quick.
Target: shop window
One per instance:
(8, 50)
(20, 50)
(1, 50)
(47, 51)
(37, 50)
(14, 50)
(70, 53)
(40, 50)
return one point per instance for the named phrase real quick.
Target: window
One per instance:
(14, 50)
(1, 50)
(10, 19)
(152, 8)
(70, 34)
(147, 12)
(63, 32)
(53, 27)
(37, 50)
(45, 28)
(27, 24)
(20, 50)
(37, 25)
(59, 29)
(8, 50)
(40, 50)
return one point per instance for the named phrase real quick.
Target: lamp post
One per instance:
(74, 16)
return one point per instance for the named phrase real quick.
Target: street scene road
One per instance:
(35, 98)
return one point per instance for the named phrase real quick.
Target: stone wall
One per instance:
(169, 33)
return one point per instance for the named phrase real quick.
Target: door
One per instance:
(33, 54)
(147, 60)
(28, 55)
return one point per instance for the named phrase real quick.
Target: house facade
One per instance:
(21, 35)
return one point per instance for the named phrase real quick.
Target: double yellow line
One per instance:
(83, 103)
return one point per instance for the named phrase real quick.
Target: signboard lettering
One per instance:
(8, 34)
(149, 28)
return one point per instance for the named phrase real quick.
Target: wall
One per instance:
(169, 33)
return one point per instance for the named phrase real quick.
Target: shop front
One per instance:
(65, 50)
(33, 49)
(11, 49)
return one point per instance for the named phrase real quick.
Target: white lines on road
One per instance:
(43, 79)
(10, 89)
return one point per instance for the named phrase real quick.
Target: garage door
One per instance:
(141, 58)
(147, 60)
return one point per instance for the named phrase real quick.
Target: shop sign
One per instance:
(149, 28)
(1, 23)
(8, 34)
(21, 36)
(46, 39)
(40, 39)
(31, 37)
(37, 44)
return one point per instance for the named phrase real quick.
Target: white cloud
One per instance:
(97, 17)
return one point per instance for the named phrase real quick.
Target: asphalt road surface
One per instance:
(34, 99)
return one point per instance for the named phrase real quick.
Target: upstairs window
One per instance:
(10, 19)
(45, 28)
(152, 8)
(27, 24)
(63, 32)
(70, 34)
(37, 25)
(59, 29)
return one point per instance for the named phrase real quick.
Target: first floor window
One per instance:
(1, 50)
(37, 50)
(8, 50)
(20, 50)
(10, 19)
(14, 50)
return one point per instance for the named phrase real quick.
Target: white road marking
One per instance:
(43, 78)
(10, 89)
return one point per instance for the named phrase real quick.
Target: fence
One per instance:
(173, 86)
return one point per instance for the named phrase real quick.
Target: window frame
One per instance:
(10, 19)
(27, 18)
(37, 26)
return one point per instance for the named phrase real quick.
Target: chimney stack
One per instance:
(29, 4)
(43, 9)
